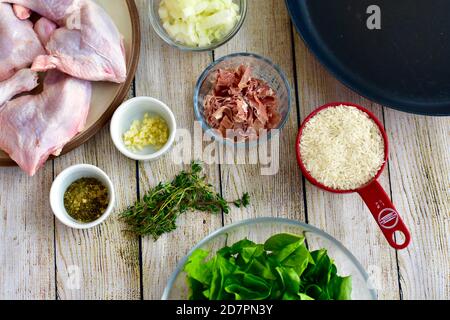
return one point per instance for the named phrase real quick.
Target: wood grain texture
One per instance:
(266, 31)
(26, 235)
(105, 258)
(420, 179)
(40, 258)
(344, 216)
(168, 74)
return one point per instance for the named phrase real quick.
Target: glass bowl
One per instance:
(162, 33)
(259, 230)
(262, 68)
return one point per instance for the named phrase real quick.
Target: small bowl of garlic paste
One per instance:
(143, 128)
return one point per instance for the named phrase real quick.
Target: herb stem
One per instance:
(159, 209)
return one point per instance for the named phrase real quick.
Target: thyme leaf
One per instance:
(157, 212)
(243, 202)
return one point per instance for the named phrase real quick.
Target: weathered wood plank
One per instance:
(101, 263)
(420, 179)
(267, 32)
(26, 235)
(344, 216)
(168, 74)
(108, 259)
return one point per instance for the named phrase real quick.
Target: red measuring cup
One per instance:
(372, 193)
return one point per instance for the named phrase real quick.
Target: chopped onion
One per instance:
(198, 23)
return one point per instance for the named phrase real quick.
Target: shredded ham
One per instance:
(241, 104)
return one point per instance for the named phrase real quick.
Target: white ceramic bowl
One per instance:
(135, 109)
(64, 180)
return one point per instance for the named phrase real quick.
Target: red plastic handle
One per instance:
(385, 214)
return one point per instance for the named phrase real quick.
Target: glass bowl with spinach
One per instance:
(269, 259)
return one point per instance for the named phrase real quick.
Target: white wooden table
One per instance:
(39, 256)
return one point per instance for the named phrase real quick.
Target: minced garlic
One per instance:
(150, 131)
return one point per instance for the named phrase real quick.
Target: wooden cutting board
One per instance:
(106, 97)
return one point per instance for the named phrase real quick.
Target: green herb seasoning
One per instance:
(86, 199)
(158, 211)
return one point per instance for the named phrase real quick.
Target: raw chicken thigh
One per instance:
(87, 46)
(77, 39)
(21, 12)
(23, 81)
(19, 44)
(55, 10)
(35, 127)
(92, 51)
(44, 28)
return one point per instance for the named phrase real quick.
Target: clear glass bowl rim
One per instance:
(265, 220)
(159, 29)
(205, 74)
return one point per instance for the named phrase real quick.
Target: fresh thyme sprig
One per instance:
(159, 209)
(243, 202)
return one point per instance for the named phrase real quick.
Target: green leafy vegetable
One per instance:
(158, 211)
(280, 269)
(243, 202)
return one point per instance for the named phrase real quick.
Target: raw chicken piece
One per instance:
(55, 10)
(23, 81)
(21, 12)
(92, 50)
(35, 127)
(87, 46)
(19, 44)
(44, 28)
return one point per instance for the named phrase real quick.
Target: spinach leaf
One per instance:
(299, 260)
(316, 292)
(246, 286)
(196, 269)
(281, 268)
(321, 271)
(304, 297)
(289, 279)
(196, 290)
(222, 268)
(341, 288)
(262, 267)
(280, 241)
